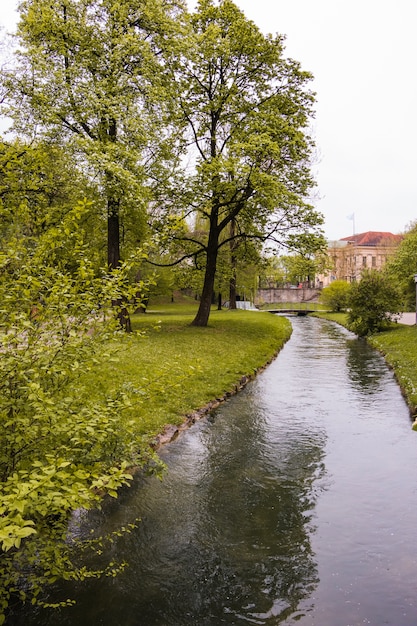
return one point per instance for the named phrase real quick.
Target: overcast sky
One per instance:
(363, 55)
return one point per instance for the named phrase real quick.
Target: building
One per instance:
(349, 256)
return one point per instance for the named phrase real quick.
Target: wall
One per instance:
(270, 296)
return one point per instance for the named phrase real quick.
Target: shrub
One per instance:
(60, 450)
(336, 295)
(373, 303)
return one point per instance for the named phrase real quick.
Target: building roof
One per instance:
(373, 238)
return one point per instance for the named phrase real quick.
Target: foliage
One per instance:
(402, 267)
(247, 110)
(38, 186)
(272, 273)
(373, 303)
(283, 270)
(298, 268)
(309, 257)
(60, 449)
(90, 73)
(336, 295)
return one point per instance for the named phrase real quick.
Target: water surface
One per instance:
(294, 503)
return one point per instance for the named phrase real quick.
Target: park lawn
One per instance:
(177, 368)
(339, 318)
(398, 344)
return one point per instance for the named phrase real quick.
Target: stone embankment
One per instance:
(171, 431)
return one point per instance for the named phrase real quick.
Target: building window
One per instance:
(374, 261)
(364, 261)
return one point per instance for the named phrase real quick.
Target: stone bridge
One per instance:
(296, 295)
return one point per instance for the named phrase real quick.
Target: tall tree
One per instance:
(247, 109)
(91, 72)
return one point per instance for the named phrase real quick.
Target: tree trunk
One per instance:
(233, 263)
(203, 313)
(113, 256)
(232, 293)
(113, 233)
(124, 318)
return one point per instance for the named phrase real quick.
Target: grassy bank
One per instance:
(177, 368)
(399, 347)
(339, 318)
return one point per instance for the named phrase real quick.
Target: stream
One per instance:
(295, 502)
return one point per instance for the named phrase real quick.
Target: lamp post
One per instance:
(415, 280)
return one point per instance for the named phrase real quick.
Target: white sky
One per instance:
(363, 55)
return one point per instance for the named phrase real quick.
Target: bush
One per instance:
(373, 303)
(60, 450)
(336, 295)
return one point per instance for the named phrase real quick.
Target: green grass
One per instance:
(178, 368)
(316, 306)
(398, 344)
(399, 347)
(339, 318)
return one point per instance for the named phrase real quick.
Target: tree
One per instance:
(247, 110)
(298, 268)
(373, 303)
(90, 73)
(336, 295)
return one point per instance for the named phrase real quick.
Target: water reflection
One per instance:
(258, 509)
(292, 504)
(365, 368)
